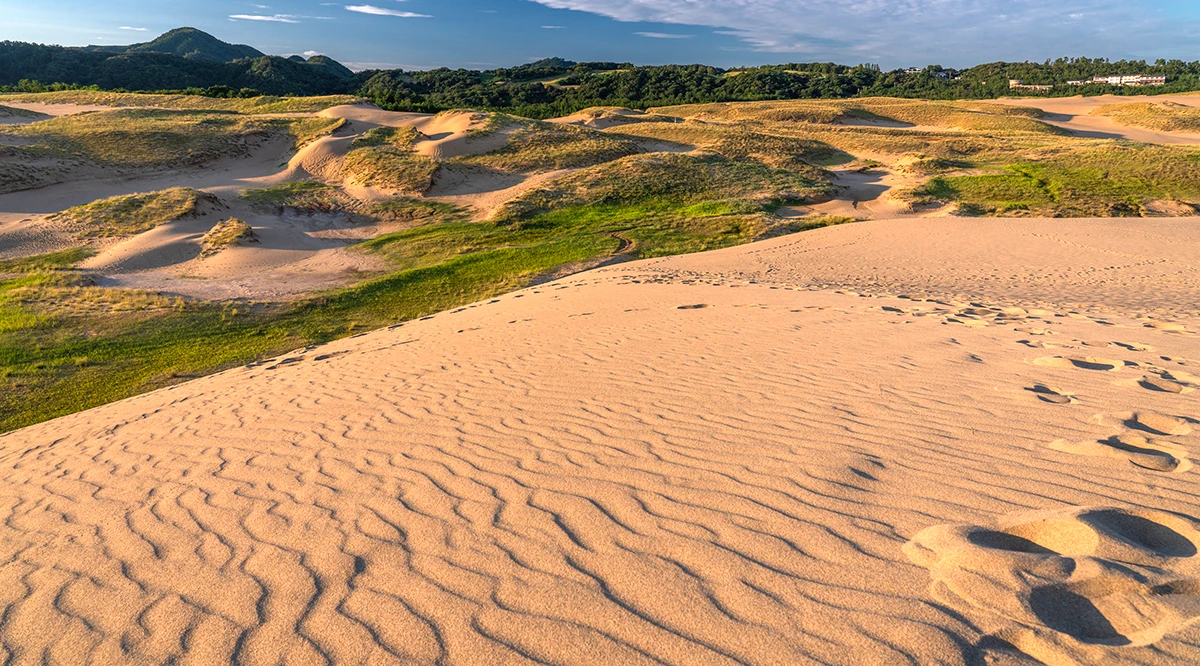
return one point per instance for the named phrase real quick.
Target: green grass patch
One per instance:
(1095, 180)
(51, 261)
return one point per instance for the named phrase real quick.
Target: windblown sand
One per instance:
(714, 459)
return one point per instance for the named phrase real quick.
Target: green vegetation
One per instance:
(389, 167)
(660, 179)
(307, 196)
(1096, 179)
(146, 137)
(131, 214)
(253, 105)
(1164, 117)
(538, 146)
(231, 232)
(52, 261)
(400, 138)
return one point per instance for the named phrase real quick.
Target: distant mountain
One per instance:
(182, 58)
(187, 43)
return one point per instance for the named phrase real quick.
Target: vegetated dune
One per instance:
(1077, 114)
(720, 458)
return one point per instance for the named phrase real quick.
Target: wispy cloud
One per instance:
(380, 11)
(125, 27)
(274, 18)
(663, 35)
(918, 30)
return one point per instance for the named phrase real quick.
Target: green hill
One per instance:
(188, 43)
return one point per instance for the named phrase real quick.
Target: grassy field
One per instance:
(1096, 179)
(253, 105)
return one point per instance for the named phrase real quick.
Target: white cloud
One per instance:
(125, 27)
(663, 35)
(380, 11)
(310, 54)
(958, 31)
(276, 18)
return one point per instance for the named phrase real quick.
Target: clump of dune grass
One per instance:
(12, 112)
(51, 261)
(132, 214)
(252, 105)
(738, 141)
(225, 234)
(400, 138)
(302, 196)
(417, 211)
(682, 179)
(158, 138)
(390, 168)
(973, 116)
(1163, 117)
(539, 146)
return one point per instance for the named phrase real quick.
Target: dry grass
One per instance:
(1163, 117)
(304, 196)
(538, 146)
(963, 116)
(10, 112)
(390, 168)
(253, 105)
(141, 137)
(132, 214)
(672, 180)
(400, 138)
(740, 141)
(229, 233)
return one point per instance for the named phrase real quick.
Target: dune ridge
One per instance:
(792, 452)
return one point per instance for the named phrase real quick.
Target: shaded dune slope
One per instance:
(711, 459)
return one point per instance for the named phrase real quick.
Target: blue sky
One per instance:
(482, 34)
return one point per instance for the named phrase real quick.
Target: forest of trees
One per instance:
(551, 87)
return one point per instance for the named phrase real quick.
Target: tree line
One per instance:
(556, 87)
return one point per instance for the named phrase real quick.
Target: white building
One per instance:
(1134, 80)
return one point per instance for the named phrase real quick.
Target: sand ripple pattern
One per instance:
(631, 466)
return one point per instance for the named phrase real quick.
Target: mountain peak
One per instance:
(188, 43)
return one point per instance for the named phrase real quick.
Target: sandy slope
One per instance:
(1073, 113)
(693, 460)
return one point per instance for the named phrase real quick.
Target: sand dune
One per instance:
(1072, 113)
(724, 458)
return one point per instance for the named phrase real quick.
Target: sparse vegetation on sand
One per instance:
(388, 167)
(669, 179)
(539, 146)
(159, 138)
(51, 261)
(10, 112)
(305, 196)
(131, 214)
(965, 116)
(229, 233)
(252, 105)
(1163, 117)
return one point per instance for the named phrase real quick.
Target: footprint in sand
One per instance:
(698, 306)
(1080, 585)
(1152, 454)
(1163, 385)
(1052, 395)
(1083, 362)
